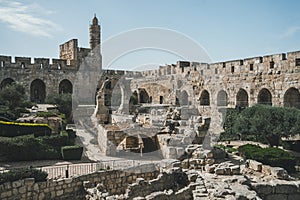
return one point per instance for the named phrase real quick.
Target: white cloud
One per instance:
(290, 31)
(26, 18)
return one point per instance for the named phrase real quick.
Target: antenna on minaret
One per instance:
(94, 14)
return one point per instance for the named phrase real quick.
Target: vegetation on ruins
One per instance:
(270, 156)
(33, 148)
(262, 123)
(22, 173)
(64, 104)
(13, 101)
(12, 129)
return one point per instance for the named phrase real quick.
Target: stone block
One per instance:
(254, 165)
(29, 181)
(17, 184)
(279, 173)
(263, 188)
(276, 197)
(235, 170)
(59, 192)
(220, 171)
(293, 196)
(22, 189)
(286, 188)
(266, 169)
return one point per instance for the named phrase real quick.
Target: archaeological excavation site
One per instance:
(157, 134)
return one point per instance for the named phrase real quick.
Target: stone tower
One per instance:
(94, 33)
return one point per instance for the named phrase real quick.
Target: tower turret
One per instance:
(95, 33)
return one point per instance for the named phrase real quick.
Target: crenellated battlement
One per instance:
(268, 64)
(7, 63)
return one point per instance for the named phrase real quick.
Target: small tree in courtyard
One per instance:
(13, 101)
(267, 123)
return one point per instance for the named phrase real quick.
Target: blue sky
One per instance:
(227, 29)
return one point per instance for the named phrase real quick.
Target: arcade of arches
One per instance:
(37, 91)
(65, 86)
(6, 82)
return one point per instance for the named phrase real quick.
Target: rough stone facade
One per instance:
(115, 182)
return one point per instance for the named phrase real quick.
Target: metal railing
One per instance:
(70, 170)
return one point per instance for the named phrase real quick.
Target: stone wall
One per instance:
(283, 190)
(115, 182)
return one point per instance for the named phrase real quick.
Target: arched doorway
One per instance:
(222, 98)
(242, 99)
(264, 97)
(184, 98)
(292, 98)
(116, 97)
(37, 91)
(6, 82)
(204, 98)
(65, 86)
(144, 97)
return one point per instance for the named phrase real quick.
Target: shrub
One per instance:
(22, 173)
(12, 129)
(72, 152)
(32, 148)
(269, 156)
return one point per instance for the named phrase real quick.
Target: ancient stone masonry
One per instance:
(43, 77)
(115, 182)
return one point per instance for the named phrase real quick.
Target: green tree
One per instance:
(13, 101)
(267, 123)
(229, 119)
(64, 104)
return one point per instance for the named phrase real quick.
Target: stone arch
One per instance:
(242, 98)
(5, 82)
(108, 85)
(65, 86)
(183, 98)
(222, 98)
(149, 144)
(143, 96)
(204, 98)
(292, 98)
(37, 91)
(116, 97)
(264, 97)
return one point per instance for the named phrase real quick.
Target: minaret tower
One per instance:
(95, 34)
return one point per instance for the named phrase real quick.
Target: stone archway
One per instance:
(242, 98)
(292, 98)
(65, 86)
(37, 91)
(264, 97)
(204, 98)
(183, 99)
(6, 82)
(222, 98)
(143, 96)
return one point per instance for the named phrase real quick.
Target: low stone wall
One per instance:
(283, 190)
(115, 182)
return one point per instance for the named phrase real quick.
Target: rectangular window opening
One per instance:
(297, 61)
(251, 67)
(272, 64)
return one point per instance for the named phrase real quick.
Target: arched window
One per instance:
(222, 98)
(264, 97)
(37, 91)
(144, 97)
(292, 98)
(6, 82)
(204, 98)
(65, 86)
(242, 98)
